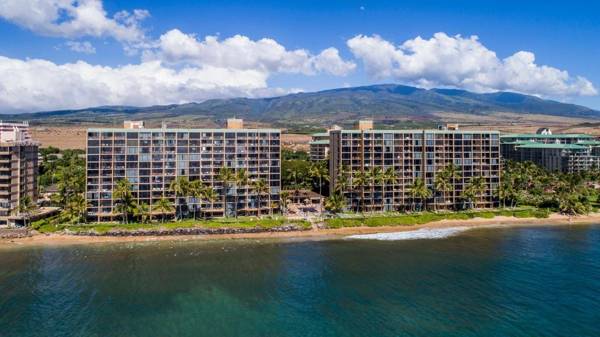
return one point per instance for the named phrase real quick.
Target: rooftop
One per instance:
(534, 145)
(536, 135)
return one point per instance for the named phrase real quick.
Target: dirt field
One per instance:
(60, 137)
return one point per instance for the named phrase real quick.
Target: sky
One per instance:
(68, 54)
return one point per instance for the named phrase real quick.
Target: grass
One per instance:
(50, 226)
(396, 219)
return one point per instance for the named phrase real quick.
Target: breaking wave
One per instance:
(425, 233)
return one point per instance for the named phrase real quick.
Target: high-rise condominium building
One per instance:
(319, 144)
(151, 158)
(413, 155)
(18, 168)
(554, 152)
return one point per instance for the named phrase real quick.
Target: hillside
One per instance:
(390, 104)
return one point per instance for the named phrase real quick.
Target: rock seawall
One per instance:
(188, 231)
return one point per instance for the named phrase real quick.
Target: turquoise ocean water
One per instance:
(542, 281)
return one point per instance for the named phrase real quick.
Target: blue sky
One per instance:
(87, 63)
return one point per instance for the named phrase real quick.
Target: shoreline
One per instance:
(500, 221)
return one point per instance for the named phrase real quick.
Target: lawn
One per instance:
(396, 219)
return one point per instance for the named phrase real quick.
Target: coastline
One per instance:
(499, 221)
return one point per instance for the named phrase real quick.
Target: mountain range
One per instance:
(386, 102)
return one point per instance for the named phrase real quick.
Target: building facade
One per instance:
(413, 155)
(555, 152)
(18, 169)
(150, 159)
(319, 144)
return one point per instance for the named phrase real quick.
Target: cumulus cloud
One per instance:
(240, 52)
(455, 61)
(84, 47)
(34, 84)
(74, 18)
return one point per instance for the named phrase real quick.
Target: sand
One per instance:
(501, 221)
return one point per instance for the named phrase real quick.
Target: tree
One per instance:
(227, 177)
(26, 206)
(452, 174)
(142, 212)
(335, 203)
(375, 177)
(284, 196)
(242, 180)
(359, 180)
(319, 171)
(261, 188)
(75, 210)
(123, 198)
(180, 187)
(418, 190)
(163, 206)
(474, 189)
(210, 195)
(197, 190)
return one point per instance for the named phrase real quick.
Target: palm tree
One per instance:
(284, 197)
(452, 173)
(123, 197)
(335, 203)
(319, 171)
(26, 206)
(227, 177)
(210, 195)
(442, 183)
(261, 188)
(390, 177)
(476, 187)
(359, 180)
(375, 178)
(418, 190)
(142, 212)
(242, 181)
(197, 190)
(75, 209)
(163, 206)
(180, 187)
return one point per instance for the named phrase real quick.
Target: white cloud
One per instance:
(240, 52)
(73, 18)
(84, 47)
(33, 85)
(454, 61)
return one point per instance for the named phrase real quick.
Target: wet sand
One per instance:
(502, 221)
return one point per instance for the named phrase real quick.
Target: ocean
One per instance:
(519, 281)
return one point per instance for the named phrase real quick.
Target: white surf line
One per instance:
(424, 233)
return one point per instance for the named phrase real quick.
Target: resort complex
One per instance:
(230, 161)
(554, 152)
(144, 172)
(18, 171)
(390, 170)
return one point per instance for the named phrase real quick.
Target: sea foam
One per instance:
(425, 233)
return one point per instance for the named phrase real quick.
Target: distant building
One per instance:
(319, 144)
(413, 154)
(151, 158)
(18, 168)
(554, 152)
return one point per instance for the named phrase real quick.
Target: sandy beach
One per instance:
(64, 239)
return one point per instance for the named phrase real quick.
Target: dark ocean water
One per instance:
(542, 281)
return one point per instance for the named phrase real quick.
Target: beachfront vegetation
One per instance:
(398, 219)
(525, 184)
(50, 225)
